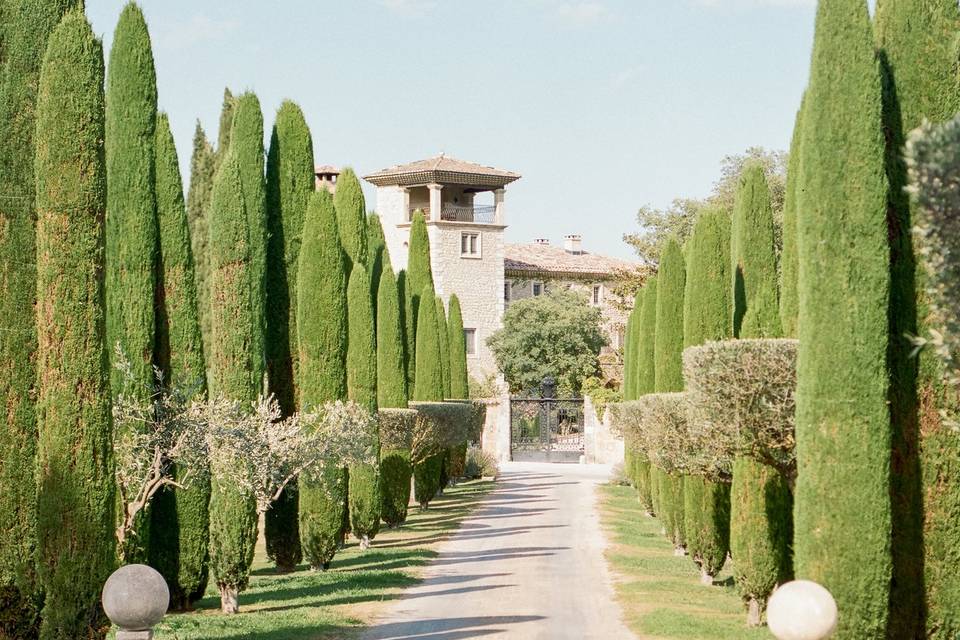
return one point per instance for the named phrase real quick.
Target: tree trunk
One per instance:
(364, 543)
(706, 579)
(753, 613)
(228, 600)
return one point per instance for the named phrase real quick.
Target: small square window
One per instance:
(470, 245)
(506, 290)
(597, 293)
(537, 288)
(470, 337)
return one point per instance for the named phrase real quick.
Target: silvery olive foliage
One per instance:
(741, 401)
(933, 160)
(441, 425)
(657, 424)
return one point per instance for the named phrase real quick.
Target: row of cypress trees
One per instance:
(874, 515)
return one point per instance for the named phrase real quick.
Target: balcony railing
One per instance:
(484, 214)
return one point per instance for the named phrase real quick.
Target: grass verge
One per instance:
(308, 605)
(660, 594)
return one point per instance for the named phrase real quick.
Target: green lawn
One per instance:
(309, 605)
(660, 594)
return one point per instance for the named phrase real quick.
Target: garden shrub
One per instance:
(396, 442)
(480, 464)
(426, 479)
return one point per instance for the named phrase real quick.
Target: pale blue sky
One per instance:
(602, 105)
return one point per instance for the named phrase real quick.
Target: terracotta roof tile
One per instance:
(545, 258)
(441, 168)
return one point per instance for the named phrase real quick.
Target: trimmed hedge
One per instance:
(396, 442)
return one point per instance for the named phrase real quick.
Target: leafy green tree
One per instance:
(364, 489)
(322, 374)
(459, 380)
(418, 275)
(760, 518)
(289, 183)
(27, 27)
(557, 334)
(246, 140)
(706, 317)
(202, 162)
(233, 514)
(351, 217)
(842, 538)
(76, 493)
(668, 360)
(179, 518)
(646, 383)
(377, 256)
(789, 263)
(444, 346)
(429, 386)
(917, 42)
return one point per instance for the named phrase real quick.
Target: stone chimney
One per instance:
(542, 241)
(573, 244)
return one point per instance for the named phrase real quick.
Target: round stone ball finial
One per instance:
(135, 598)
(802, 610)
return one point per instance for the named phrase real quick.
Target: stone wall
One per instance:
(495, 437)
(601, 444)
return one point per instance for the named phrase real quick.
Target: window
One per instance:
(597, 293)
(537, 288)
(469, 245)
(470, 336)
(506, 290)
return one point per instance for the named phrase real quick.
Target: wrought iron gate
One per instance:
(546, 429)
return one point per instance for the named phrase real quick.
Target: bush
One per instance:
(442, 425)
(426, 479)
(741, 402)
(480, 464)
(396, 440)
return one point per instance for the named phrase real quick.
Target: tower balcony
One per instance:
(476, 214)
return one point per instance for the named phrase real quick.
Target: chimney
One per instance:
(542, 241)
(573, 244)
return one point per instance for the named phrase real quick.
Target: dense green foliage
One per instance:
(442, 333)
(557, 334)
(202, 164)
(646, 343)
(246, 142)
(459, 380)
(351, 217)
(668, 351)
(418, 275)
(842, 538)
(233, 517)
(426, 479)
(27, 26)
(378, 258)
(364, 489)
(429, 375)
(629, 386)
(918, 53)
(706, 317)
(179, 518)
(131, 202)
(75, 485)
(225, 127)
(789, 256)
(289, 183)
(322, 375)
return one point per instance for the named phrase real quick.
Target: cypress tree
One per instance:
(918, 66)
(322, 291)
(28, 26)
(429, 386)
(706, 317)
(289, 183)
(76, 492)
(377, 256)
(789, 263)
(225, 128)
(646, 376)
(419, 275)
(391, 393)
(760, 514)
(131, 200)
(668, 355)
(629, 356)
(351, 216)
(444, 336)
(246, 140)
(233, 516)
(459, 381)
(842, 538)
(202, 162)
(179, 518)
(364, 489)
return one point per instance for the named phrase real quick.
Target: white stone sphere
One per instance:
(135, 597)
(802, 610)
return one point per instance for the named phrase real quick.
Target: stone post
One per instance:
(802, 610)
(498, 213)
(135, 598)
(436, 201)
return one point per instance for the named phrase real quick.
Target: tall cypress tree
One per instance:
(635, 462)
(789, 257)
(377, 256)
(179, 518)
(364, 489)
(322, 376)
(131, 200)
(418, 276)
(351, 216)
(918, 64)
(225, 128)
(392, 393)
(28, 26)
(842, 538)
(459, 381)
(407, 327)
(443, 334)
(760, 518)
(233, 516)
(289, 183)
(668, 355)
(246, 140)
(646, 377)
(706, 316)
(75, 482)
(429, 388)
(202, 162)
